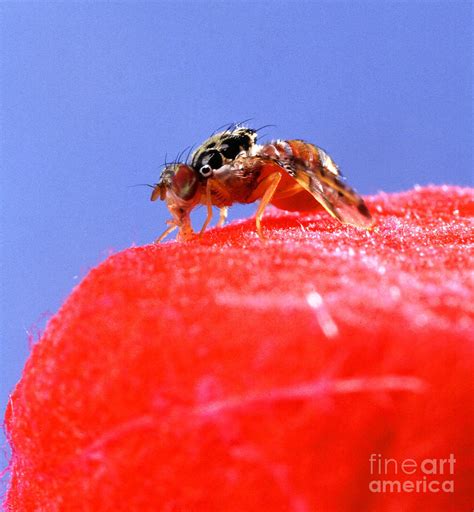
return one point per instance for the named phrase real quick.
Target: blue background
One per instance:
(95, 94)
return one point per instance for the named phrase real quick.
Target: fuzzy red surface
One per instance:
(232, 375)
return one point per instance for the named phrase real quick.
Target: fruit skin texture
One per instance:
(229, 374)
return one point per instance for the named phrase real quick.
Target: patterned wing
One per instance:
(316, 172)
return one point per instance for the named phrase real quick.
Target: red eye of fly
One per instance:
(184, 182)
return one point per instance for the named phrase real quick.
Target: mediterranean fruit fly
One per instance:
(230, 167)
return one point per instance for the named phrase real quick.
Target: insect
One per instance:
(230, 167)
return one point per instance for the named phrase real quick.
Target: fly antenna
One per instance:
(141, 185)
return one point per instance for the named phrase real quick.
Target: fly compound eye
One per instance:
(184, 182)
(205, 171)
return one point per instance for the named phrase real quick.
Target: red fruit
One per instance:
(235, 375)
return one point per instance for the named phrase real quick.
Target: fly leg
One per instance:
(270, 183)
(172, 227)
(209, 207)
(222, 215)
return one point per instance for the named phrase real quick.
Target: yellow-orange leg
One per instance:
(222, 215)
(166, 233)
(209, 207)
(273, 181)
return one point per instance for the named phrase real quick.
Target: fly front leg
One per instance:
(172, 227)
(209, 207)
(269, 185)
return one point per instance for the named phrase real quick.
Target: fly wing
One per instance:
(320, 176)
